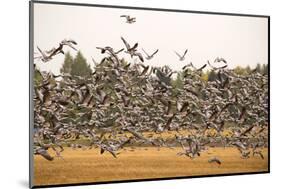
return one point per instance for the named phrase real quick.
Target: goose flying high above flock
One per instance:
(129, 19)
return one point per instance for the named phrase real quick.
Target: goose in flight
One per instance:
(186, 151)
(218, 59)
(192, 150)
(214, 160)
(139, 135)
(43, 57)
(148, 57)
(44, 153)
(188, 66)
(216, 68)
(245, 154)
(129, 19)
(182, 107)
(145, 69)
(110, 51)
(104, 148)
(258, 153)
(181, 57)
(132, 51)
(201, 68)
(139, 55)
(239, 145)
(48, 55)
(64, 42)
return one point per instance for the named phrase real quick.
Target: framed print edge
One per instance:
(31, 87)
(149, 8)
(31, 112)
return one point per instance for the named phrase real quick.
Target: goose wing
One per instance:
(145, 52)
(178, 54)
(94, 61)
(71, 46)
(200, 69)
(184, 53)
(42, 53)
(72, 41)
(44, 153)
(140, 56)
(102, 49)
(69, 43)
(119, 51)
(112, 153)
(155, 52)
(144, 70)
(125, 42)
(135, 46)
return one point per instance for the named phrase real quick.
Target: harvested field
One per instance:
(82, 166)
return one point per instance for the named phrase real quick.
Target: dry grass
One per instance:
(81, 166)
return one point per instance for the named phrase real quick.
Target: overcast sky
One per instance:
(240, 40)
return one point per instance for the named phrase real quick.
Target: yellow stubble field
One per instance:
(83, 166)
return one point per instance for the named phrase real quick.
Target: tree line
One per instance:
(78, 66)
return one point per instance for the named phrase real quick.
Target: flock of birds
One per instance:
(125, 104)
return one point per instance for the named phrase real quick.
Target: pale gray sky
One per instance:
(240, 40)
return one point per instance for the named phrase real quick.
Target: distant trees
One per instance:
(77, 66)
(68, 62)
(205, 75)
(37, 77)
(248, 69)
(262, 69)
(178, 82)
(210, 75)
(258, 68)
(265, 69)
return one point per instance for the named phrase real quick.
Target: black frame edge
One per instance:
(147, 8)
(31, 44)
(268, 30)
